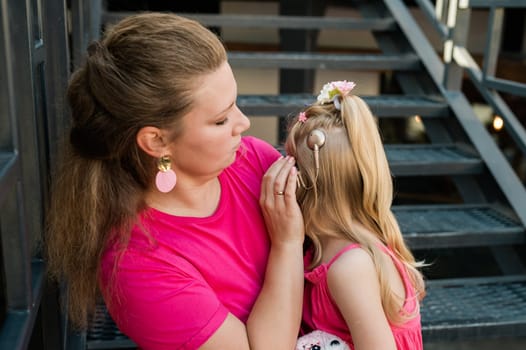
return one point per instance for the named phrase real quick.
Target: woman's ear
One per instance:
(152, 141)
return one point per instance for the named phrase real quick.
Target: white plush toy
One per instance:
(320, 340)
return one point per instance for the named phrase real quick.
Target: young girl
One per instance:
(361, 280)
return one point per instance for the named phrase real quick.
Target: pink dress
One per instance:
(320, 312)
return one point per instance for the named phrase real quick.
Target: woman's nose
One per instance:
(242, 122)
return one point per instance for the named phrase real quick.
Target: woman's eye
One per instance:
(222, 122)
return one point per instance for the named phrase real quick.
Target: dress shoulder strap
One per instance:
(402, 270)
(343, 250)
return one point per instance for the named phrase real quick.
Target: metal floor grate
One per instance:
(474, 308)
(448, 218)
(104, 333)
(438, 226)
(453, 309)
(432, 159)
(381, 106)
(427, 152)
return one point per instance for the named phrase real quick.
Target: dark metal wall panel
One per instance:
(28, 101)
(13, 228)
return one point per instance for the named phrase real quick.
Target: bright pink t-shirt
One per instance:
(320, 311)
(175, 287)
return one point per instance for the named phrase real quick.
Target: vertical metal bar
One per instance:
(441, 8)
(458, 23)
(85, 26)
(95, 15)
(295, 80)
(13, 222)
(57, 71)
(29, 104)
(56, 75)
(76, 25)
(15, 248)
(493, 40)
(450, 20)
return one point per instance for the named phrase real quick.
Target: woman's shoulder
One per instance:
(254, 144)
(256, 153)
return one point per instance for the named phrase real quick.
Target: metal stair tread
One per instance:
(429, 159)
(104, 333)
(432, 159)
(277, 21)
(453, 309)
(381, 105)
(469, 307)
(313, 60)
(457, 225)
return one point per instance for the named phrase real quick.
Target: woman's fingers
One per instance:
(274, 179)
(278, 201)
(281, 179)
(290, 188)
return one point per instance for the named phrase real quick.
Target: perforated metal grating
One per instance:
(461, 309)
(453, 219)
(104, 332)
(454, 309)
(429, 153)
(381, 106)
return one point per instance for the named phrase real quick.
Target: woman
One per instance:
(161, 204)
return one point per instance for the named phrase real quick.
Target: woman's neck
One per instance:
(188, 200)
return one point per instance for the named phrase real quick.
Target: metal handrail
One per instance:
(488, 85)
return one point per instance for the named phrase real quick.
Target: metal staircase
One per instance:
(481, 217)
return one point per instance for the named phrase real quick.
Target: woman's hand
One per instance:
(278, 202)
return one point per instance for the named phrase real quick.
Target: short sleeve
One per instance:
(261, 151)
(162, 305)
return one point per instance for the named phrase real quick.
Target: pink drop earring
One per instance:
(165, 179)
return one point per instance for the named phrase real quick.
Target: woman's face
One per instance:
(212, 129)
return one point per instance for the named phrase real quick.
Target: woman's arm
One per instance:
(275, 318)
(354, 286)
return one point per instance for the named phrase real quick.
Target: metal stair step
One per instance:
(274, 22)
(429, 159)
(381, 105)
(104, 334)
(474, 308)
(432, 159)
(306, 60)
(453, 309)
(457, 225)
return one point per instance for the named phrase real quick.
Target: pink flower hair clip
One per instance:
(334, 91)
(302, 117)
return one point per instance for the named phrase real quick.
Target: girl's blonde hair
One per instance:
(353, 185)
(142, 73)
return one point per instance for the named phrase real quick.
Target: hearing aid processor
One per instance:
(315, 141)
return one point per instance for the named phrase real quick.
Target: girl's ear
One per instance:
(152, 141)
